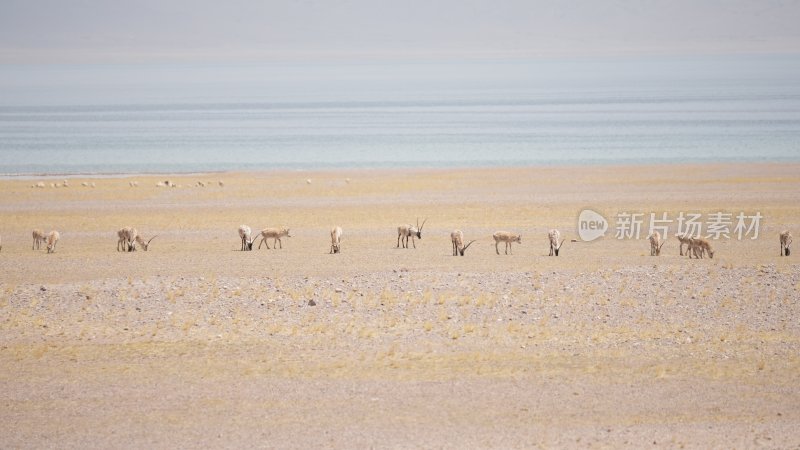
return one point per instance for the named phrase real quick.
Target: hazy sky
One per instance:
(244, 30)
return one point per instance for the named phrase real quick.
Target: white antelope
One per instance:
(244, 234)
(38, 239)
(698, 247)
(275, 234)
(786, 242)
(508, 238)
(457, 238)
(52, 239)
(553, 236)
(655, 243)
(409, 231)
(336, 239)
(145, 244)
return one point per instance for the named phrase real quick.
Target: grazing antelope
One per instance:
(336, 239)
(409, 231)
(142, 242)
(52, 239)
(698, 247)
(786, 241)
(684, 239)
(244, 233)
(276, 234)
(457, 238)
(38, 239)
(508, 238)
(553, 236)
(655, 243)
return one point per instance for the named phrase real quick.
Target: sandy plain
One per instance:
(196, 344)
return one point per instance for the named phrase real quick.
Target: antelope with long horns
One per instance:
(457, 238)
(409, 231)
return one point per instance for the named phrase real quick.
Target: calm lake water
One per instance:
(64, 119)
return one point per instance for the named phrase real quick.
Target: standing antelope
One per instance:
(698, 247)
(655, 243)
(553, 236)
(406, 231)
(38, 239)
(508, 238)
(142, 242)
(52, 239)
(276, 234)
(786, 241)
(684, 239)
(457, 238)
(336, 239)
(244, 233)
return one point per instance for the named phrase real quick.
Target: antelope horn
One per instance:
(562, 243)
(148, 242)
(662, 244)
(423, 223)
(465, 247)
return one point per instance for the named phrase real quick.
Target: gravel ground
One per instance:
(195, 344)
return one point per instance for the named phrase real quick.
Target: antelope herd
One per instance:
(129, 237)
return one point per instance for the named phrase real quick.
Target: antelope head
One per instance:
(418, 229)
(147, 244)
(464, 248)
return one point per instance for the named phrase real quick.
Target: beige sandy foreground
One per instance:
(195, 344)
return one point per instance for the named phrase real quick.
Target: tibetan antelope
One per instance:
(553, 236)
(457, 238)
(244, 234)
(336, 239)
(698, 247)
(126, 239)
(786, 242)
(508, 238)
(38, 239)
(409, 231)
(142, 242)
(52, 239)
(655, 243)
(275, 234)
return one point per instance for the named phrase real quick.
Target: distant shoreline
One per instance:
(393, 167)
